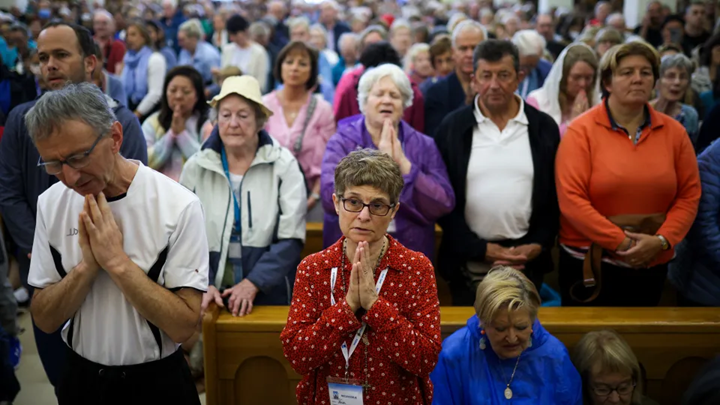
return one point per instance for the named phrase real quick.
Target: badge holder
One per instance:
(345, 391)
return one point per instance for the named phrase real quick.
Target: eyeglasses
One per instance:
(376, 208)
(622, 389)
(77, 162)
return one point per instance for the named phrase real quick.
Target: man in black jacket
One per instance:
(500, 156)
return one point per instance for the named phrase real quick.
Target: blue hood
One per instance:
(467, 375)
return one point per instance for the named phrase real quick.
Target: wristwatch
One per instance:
(316, 196)
(665, 243)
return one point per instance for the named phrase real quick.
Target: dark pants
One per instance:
(464, 296)
(683, 301)
(52, 351)
(165, 381)
(621, 287)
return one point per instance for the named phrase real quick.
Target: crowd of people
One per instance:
(156, 158)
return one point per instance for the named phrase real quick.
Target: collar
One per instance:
(520, 118)
(646, 123)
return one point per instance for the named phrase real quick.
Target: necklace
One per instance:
(508, 391)
(365, 340)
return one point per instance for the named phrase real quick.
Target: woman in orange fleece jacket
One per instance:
(623, 157)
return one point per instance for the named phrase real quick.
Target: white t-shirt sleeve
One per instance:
(43, 272)
(188, 258)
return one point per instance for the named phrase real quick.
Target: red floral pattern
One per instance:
(403, 329)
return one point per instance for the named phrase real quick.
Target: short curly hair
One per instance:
(369, 167)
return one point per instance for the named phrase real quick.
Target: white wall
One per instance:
(544, 6)
(634, 10)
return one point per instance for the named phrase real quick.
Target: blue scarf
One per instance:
(134, 74)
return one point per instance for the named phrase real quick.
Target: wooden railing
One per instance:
(244, 362)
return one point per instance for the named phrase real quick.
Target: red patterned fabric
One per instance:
(403, 329)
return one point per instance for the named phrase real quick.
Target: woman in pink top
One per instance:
(301, 121)
(571, 87)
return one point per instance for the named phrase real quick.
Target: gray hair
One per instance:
(83, 102)
(301, 21)
(614, 16)
(259, 29)
(373, 28)
(467, 25)
(679, 61)
(398, 24)
(529, 42)
(192, 28)
(373, 75)
(413, 52)
(349, 36)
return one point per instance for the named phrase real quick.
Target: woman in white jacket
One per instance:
(143, 71)
(249, 56)
(255, 203)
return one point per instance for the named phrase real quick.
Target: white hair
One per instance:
(330, 3)
(298, 22)
(413, 52)
(614, 16)
(600, 4)
(486, 12)
(529, 42)
(192, 28)
(398, 24)
(466, 26)
(373, 75)
(456, 19)
(104, 13)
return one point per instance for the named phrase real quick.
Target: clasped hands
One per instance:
(639, 250)
(100, 238)
(391, 145)
(516, 256)
(361, 291)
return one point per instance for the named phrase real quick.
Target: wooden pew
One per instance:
(244, 362)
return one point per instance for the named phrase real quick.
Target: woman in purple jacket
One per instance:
(384, 93)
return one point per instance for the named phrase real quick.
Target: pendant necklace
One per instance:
(508, 391)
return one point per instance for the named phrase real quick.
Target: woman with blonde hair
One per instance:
(610, 371)
(570, 88)
(504, 353)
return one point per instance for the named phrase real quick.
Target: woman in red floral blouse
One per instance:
(335, 299)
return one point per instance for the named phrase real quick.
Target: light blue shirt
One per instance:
(206, 57)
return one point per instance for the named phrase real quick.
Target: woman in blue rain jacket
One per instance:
(509, 358)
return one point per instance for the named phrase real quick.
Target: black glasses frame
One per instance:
(594, 390)
(389, 207)
(82, 155)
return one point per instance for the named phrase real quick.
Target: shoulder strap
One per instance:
(310, 110)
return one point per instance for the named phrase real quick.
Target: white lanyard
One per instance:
(358, 335)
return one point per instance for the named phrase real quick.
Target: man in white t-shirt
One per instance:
(119, 259)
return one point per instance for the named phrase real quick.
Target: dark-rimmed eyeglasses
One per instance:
(77, 162)
(376, 208)
(622, 389)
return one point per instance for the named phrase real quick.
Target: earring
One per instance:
(482, 340)
(530, 342)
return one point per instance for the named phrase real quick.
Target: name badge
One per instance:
(235, 248)
(345, 394)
